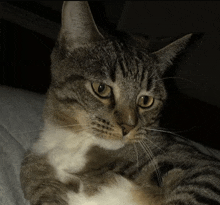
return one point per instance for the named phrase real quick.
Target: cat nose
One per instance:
(126, 128)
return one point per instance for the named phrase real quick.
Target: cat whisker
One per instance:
(147, 140)
(107, 131)
(169, 132)
(152, 158)
(152, 143)
(181, 131)
(135, 148)
(164, 131)
(84, 129)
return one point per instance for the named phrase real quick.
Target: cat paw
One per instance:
(125, 168)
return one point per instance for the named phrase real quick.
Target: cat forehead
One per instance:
(112, 60)
(105, 61)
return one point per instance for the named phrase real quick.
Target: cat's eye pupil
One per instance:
(145, 100)
(101, 88)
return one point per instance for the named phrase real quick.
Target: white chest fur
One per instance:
(67, 150)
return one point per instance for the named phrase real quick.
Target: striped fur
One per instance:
(96, 150)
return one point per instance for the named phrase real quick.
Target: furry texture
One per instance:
(105, 141)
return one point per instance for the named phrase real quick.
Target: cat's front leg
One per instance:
(39, 182)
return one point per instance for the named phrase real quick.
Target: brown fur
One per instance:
(39, 183)
(63, 114)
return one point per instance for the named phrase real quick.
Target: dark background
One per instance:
(29, 30)
(25, 48)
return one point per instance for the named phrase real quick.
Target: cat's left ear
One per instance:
(166, 55)
(78, 26)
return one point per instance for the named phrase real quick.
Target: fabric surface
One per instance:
(20, 124)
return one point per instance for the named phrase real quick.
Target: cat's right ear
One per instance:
(78, 27)
(166, 55)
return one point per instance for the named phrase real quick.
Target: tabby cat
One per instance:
(101, 144)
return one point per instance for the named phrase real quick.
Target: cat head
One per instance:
(110, 86)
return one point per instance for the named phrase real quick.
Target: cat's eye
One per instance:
(102, 90)
(145, 101)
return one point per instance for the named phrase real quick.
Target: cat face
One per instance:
(110, 87)
(124, 106)
(117, 92)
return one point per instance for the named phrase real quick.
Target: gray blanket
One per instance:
(20, 122)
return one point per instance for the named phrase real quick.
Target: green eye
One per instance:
(145, 101)
(102, 90)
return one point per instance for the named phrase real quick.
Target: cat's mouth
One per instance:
(132, 137)
(106, 129)
(109, 133)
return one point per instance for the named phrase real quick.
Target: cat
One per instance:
(101, 142)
